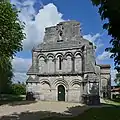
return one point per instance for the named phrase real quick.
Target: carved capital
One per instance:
(73, 58)
(54, 60)
(46, 59)
(64, 58)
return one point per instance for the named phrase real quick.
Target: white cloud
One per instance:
(35, 24)
(34, 29)
(91, 38)
(21, 77)
(95, 39)
(20, 68)
(103, 56)
(21, 64)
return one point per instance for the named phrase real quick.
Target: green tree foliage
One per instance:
(5, 76)
(18, 89)
(117, 79)
(109, 11)
(11, 30)
(11, 36)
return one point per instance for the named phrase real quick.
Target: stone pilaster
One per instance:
(35, 61)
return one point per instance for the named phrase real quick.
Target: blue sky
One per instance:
(39, 14)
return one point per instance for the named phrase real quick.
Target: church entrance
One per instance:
(61, 93)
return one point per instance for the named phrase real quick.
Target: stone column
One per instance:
(54, 64)
(88, 88)
(84, 59)
(35, 61)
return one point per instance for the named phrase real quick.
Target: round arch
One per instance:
(68, 54)
(58, 82)
(78, 61)
(59, 54)
(61, 93)
(50, 55)
(41, 55)
(104, 78)
(78, 53)
(75, 81)
(45, 81)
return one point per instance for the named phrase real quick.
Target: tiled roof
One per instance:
(30, 79)
(31, 70)
(104, 65)
(115, 90)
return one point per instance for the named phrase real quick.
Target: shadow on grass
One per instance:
(112, 102)
(13, 100)
(34, 116)
(101, 112)
(25, 102)
(116, 100)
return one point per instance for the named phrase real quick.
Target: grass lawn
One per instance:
(111, 102)
(106, 113)
(10, 98)
(111, 113)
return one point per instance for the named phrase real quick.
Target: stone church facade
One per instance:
(64, 67)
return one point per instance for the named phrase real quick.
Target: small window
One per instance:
(60, 63)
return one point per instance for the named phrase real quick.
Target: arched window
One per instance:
(50, 64)
(60, 62)
(78, 63)
(42, 65)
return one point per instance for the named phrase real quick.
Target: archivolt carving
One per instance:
(50, 55)
(78, 53)
(68, 54)
(60, 82)
(41, 55)
(59, 54)
(45, 81)
(75, 81)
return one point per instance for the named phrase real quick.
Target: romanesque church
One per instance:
(64, 66)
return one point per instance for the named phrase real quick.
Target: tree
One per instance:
(117, 79)
(11, 36)
(109, 11)
(5, 77)
(18, 89)
(11, 30)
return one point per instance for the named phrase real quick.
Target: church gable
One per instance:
(65, 35)
(63, 31)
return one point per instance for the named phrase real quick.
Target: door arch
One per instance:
(61, 93)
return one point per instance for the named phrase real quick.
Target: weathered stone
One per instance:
(63, 65)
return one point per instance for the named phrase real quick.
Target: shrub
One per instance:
(18, 89)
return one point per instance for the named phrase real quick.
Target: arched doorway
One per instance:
(61, 93)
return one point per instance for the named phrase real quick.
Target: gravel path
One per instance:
(58, 107)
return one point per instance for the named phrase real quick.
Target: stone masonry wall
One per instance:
(48, 88)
